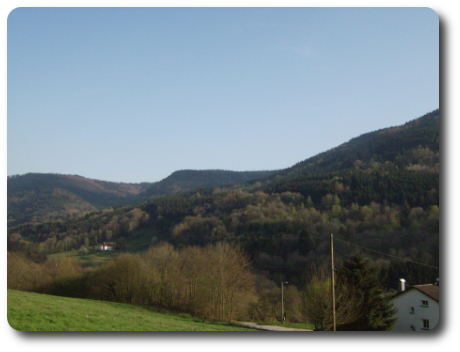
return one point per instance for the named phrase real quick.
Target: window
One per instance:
(425, 324)
(412, 310)
(424, 304)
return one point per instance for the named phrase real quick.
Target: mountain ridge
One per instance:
(42, 197)
(380, 146)
(49, 196)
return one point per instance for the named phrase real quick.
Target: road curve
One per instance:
(269, 327)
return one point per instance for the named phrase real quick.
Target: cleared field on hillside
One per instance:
(37, 312)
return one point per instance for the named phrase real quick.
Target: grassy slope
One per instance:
(37, 312)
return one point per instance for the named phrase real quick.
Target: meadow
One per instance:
(39, 312)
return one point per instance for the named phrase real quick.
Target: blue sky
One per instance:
(134, 94)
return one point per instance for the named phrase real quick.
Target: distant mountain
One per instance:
(48, 197)
(186, 180)
(414, 145)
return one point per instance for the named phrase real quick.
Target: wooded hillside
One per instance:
(52, 197)
(378, 194)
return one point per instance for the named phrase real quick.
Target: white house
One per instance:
(417, 307)
(107, 246)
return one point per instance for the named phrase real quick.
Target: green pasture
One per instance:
(38, 312)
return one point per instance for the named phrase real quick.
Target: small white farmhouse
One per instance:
(107, 246)
(417, 307)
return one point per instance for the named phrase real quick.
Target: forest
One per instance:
(281, 232)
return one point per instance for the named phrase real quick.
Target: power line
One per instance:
(388, 255)
(343, 241)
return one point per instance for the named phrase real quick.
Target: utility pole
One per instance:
(282, 301)
(334, 324)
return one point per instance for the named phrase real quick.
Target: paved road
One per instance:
(269, 327)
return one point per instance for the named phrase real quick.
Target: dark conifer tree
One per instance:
(376, 307)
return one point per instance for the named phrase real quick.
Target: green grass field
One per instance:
(37, 312)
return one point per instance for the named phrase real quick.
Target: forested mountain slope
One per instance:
(378, 193)
(48, 197)
(398, 165)
(185, 180)
(401, 145)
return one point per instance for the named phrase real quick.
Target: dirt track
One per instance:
(269, 327)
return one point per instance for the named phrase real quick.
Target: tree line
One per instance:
(215, 282)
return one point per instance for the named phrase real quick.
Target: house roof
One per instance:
(429, 290)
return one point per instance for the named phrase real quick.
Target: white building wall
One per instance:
(412, 312)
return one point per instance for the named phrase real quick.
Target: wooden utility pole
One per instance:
(334, 324)
(282, 302)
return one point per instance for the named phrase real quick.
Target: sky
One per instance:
(134, 94)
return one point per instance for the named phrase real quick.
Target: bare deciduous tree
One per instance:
(318, 301)
(230, 283)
